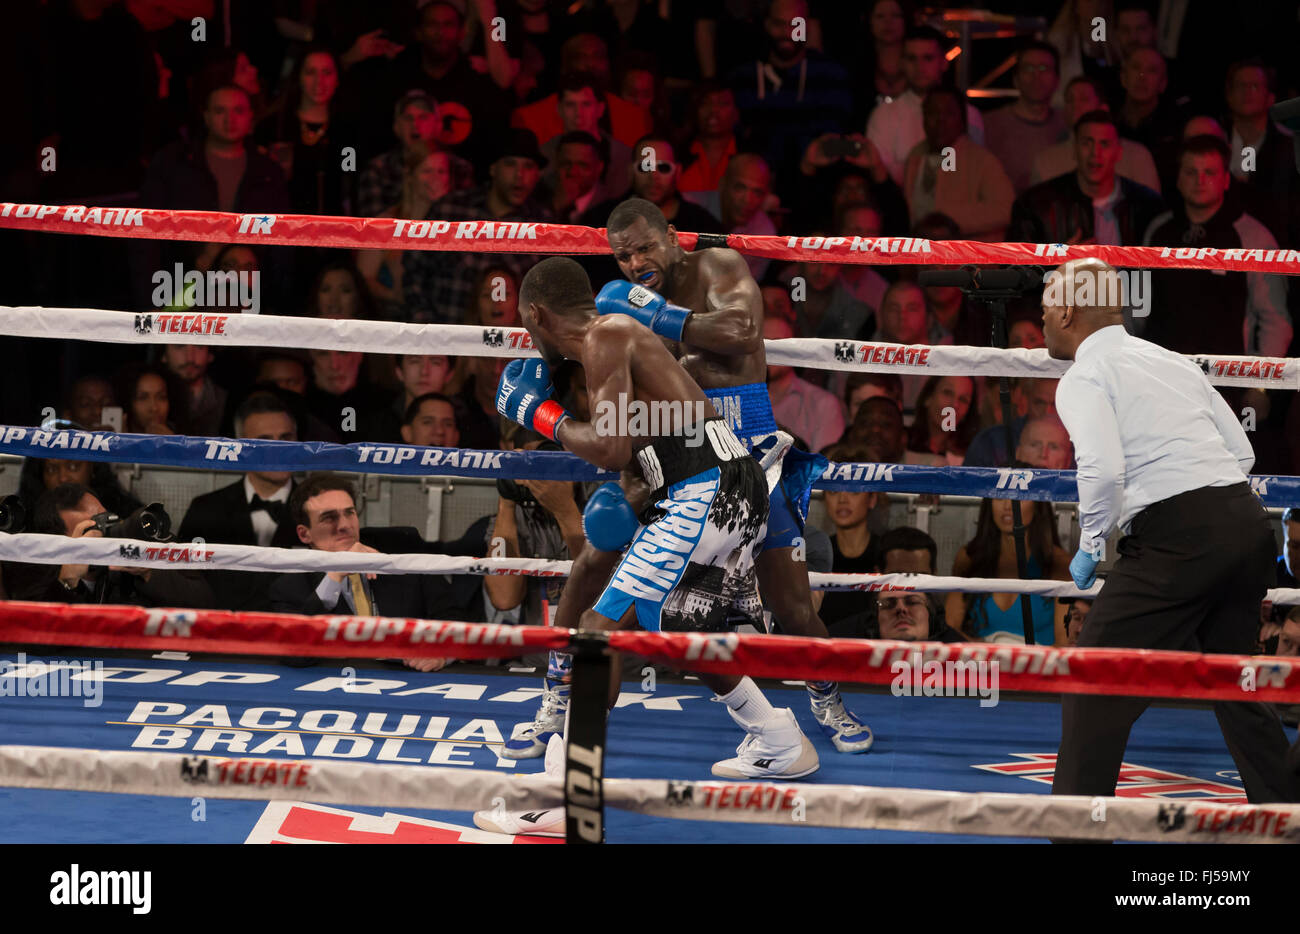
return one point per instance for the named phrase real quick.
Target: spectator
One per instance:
(253, 510)
(838, 172)
(1083, 96)
(746, 186)
(286, 370)
(863, 386)
(777, 302)
(949, 173)
(824, 307)
(286, 374)
(853, 548)
(1083, 51)
(954, 319)
(1091, 205)
(586, 53)
(438, 284)
(640, 85)
(1076, 614)
(1134, 27)
(579, 165)
(654, 177)
(1288, 563)
(1020, 130)
(323, 508)
(1032, 399)
(471, 107)
(205, 402)
(1288, 640)
(897, 126)
(242, 260)
(793, 94)
(383, 181)
(39, 476)
(1145, 115)
(223, 173)
(861, 280)
(494, 303)
(996, 617)
(420, 375)
(1194, 310)
(712, 144)
(878, 425)
(946, 418)
(906, 550)
(426, 178)
(534, 519)
(581, 108)
(1269, 186)
(430, 421)
(86, 400)
(303, 137)
(912, 617)
(904, 319)
(882, 66)
(152, 399)
(71, 509)
(801, 408)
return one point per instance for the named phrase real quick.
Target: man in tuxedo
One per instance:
(251, 511)
(323, 508)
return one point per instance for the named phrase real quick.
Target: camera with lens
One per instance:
(148, 523)
(517, 493)
(13, 514)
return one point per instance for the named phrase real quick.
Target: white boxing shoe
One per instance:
(540, 822)
(776, 749)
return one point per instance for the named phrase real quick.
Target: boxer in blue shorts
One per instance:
(691, 565)
(714, 325)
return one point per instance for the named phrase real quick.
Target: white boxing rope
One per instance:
(230, 329)
(322, 780)
(793, 805)
(39, 548)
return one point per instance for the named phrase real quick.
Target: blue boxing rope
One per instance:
(1056, 486)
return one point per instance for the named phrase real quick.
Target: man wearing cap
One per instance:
(415, 121)
(438, 285)
(1163, 457)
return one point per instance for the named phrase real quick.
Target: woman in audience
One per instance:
(946, 418)
(853, 548)
(996, 617)
(151, 398)
(494, 303)
(426, 177)
(299, 139)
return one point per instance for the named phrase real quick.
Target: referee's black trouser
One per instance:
(1190, 577)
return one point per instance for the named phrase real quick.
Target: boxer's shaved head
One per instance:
(627, 214)
(557, 284)
(1079, 297)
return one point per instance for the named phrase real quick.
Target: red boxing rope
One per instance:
(515, 237)
(1139, 672)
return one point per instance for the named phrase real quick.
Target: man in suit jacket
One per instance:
(324, 510)
(251, 511)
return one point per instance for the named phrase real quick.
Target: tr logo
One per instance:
(256, 223)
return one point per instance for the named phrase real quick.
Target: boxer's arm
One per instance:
(732, 320)
(607, 361)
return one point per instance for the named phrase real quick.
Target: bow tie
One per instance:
(277, 510)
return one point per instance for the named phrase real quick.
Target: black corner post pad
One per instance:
(584, 769)
(707, 240)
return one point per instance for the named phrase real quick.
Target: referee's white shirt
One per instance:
(1146, 425)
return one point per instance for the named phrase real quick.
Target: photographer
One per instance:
(72, 509)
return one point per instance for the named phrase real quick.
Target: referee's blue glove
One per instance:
(1084, 569)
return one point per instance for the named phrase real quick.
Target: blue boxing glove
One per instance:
(1083, 568)
(621, 297)
(524, 395)
(608, 521)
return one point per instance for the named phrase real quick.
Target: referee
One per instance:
(1162, 455)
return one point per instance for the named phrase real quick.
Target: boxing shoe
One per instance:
(847, 733)
(539, 822)
(776, 749)
(528, 740)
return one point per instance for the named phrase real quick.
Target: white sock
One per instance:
(748, 704)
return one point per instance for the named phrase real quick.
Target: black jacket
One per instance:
(223, 516)
(164, 588)
(1058, 210)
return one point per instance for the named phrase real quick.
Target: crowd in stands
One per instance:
(748, 116)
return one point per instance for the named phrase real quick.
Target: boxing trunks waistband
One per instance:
(747, 409)
(670, 459)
